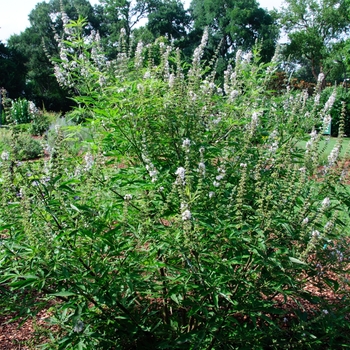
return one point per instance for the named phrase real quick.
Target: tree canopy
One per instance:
(37, 42)
(317, 31)
(238, 23)
(12, 71)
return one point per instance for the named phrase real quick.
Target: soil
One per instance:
(16, 337)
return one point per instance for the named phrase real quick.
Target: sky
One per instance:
(14, 14)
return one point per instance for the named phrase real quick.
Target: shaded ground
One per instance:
(13, 337)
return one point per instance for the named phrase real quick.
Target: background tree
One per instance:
(115, 15)
(317, 30)
(12, 71)
(239, 23)
(37, 41)
(169, 18)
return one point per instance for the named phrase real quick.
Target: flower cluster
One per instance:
(199, 51)
(219, 177)
(185, 212)
(330, 102)
(333, 156)
(310, 143)
(89, 161)
(138, 55)
(5, 156)
(152, 171)
(180, 172)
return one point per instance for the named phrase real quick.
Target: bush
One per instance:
(21, 128)
(206, 227)
(40, 124)
(21, 146)
(20, 113)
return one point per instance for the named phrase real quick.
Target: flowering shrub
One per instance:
(20, 112)
(204, 226)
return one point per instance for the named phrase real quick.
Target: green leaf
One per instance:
(74, 207)
(174, 298)
(297, 261)
(64, 293)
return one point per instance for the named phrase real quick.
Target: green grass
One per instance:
(326, 146)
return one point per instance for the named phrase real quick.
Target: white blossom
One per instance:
(238, 56)
(183, 206)
(254, 121)
(333, 156)
(233, 95)
(128, 197)
(171, 80)
(138, 55)
(5, 155)
(273, 147)
(248, 57)
(320, 78)
(79, 327)
(186, 143)
(180, 172)
(147, 75)
(201, 167)
(198, 52)
(216, 121)
(330, 101)
(326, 120)
(305, 221)
(326, 203)
(32, 108)
(317, 99)
(102, 80)
(186, 215)
(328, 226)
(89, 161)
(315, 233)
(313, 134)
(221, 170)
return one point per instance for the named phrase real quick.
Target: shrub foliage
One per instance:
(203, 225)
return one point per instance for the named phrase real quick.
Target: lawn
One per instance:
(327, 144)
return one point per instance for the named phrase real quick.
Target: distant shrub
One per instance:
(40, 124)
(22, 146)
(18, 128)
(20, 112)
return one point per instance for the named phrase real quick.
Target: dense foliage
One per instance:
(192, 218)
(317, 31)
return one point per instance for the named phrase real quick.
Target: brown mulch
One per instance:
(13, 337)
